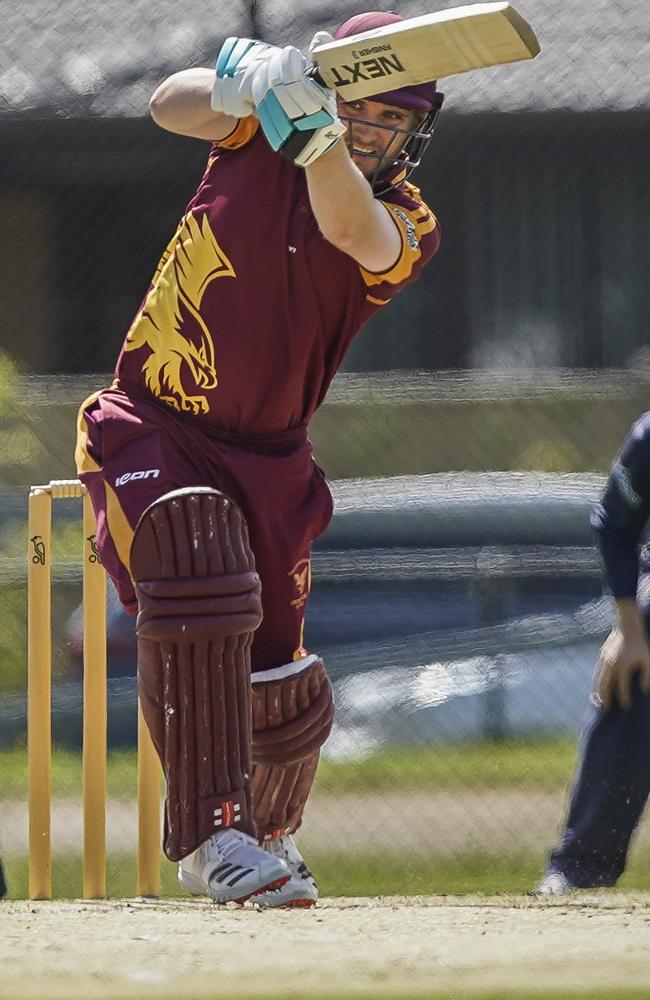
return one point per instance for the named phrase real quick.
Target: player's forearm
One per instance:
(182, 104)
(630, 619)
(341, 198)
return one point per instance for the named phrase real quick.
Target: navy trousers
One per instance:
(609, 794)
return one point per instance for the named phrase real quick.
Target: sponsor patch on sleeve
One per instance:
(414, 230)
(410, 230)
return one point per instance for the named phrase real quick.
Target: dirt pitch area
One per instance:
(385, 947)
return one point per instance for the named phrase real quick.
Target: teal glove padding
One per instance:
(237, 62)
(297, 115)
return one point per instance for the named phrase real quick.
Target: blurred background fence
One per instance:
(457, 594)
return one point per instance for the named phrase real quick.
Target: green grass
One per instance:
(543, 764)
(540, 763)
(485, 874)
(121, 878)
(337, 875)
(66, 774)
(377, 875)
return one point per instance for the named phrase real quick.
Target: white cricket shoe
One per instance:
(231, 867)
(554, 884)
(301, 889)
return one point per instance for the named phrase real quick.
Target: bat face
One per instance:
(372, 62)
(421, 49)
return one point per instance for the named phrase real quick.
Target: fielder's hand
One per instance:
(237, 63)
(298, 116)
(619, 661)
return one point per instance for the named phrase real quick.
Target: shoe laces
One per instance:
(284, 847)
(228, 841)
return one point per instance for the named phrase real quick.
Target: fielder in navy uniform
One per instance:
(613, 778)
(197, 457)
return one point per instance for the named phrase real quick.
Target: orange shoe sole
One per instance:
(279, 882)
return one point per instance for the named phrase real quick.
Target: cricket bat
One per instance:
(420, 49)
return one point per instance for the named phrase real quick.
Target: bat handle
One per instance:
(314, 75)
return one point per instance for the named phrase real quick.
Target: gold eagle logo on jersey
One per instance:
(191, 261)
(301, 576)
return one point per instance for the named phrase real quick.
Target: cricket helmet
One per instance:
(423, 98)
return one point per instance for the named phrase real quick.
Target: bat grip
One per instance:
(314, 75)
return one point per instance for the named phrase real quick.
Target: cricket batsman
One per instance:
(197, 457)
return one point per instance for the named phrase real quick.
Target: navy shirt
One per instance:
(619, 520)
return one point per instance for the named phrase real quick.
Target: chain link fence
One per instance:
(457, 596)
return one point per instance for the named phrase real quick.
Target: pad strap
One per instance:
(292, 714)
(209, 607)
(280, 795)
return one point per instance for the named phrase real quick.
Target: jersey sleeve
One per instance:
(420, 239)
(620, 518)
(245, 130)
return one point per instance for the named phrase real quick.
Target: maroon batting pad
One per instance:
(292, 718)
(280, 795)
(199, 605)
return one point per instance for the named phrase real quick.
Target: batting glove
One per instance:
(297, 115)
(237, 62)
(320, 38)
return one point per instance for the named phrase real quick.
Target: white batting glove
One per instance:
(297, 115)
(237, 62)
(285, 73)
(320, 38)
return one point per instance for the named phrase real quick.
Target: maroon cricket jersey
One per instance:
(251, 310)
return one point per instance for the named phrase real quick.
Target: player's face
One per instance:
(372, 138)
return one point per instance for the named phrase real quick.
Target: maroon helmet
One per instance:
(424, 98)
